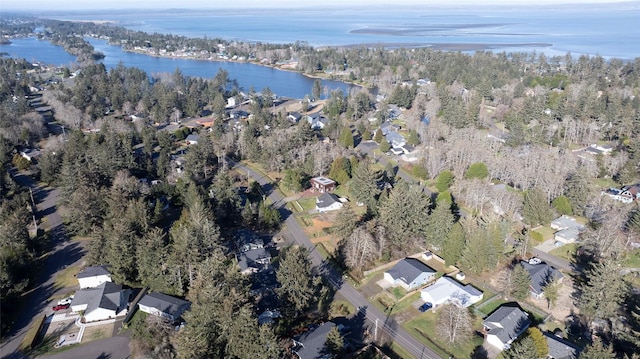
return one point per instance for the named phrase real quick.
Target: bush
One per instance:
(562, 205)
(444, 181)
(477, 170)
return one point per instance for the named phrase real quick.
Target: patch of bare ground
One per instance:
(98, 332)
(564, 306)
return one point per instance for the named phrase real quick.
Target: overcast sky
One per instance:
(80, 5)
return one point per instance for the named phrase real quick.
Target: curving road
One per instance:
(373, 314)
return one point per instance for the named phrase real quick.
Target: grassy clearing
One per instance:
(633, 259)
(97, 333)
(67, 277)
(307, 203)
(489, 307)
(567, 251)
(546, 232)
(398, 292)
(341, 308)
(423, 328)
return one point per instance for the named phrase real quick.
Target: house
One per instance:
(30, 154)
(505, 325)
(322, 184)
(193, 139)
(447, 289)
(253, 260)
(311, 345)
(106, 301)
(541, 274)
(395, 139)
(409, 273)
(328, 202)
(631, 193)
(387, 127)
(163, 305)
(294, 117)
(92, 277)
(560, 348)
(567, 229)
(231, 102)
(317, 121)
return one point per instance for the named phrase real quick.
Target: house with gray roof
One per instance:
(193, 139)
(106, 301)
(567, 229)
(311, 345)
(505, 325)
(395, 139)
(449, 290)
(163, 305)
(253, 260)
(328, 202)
(560, 348)
(541, 274)
(409, 273)
(93, 276)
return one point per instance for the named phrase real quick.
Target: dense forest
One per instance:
(510, 119)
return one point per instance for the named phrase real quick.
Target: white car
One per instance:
(66, 300)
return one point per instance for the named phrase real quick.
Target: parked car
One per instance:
(60, 307)
(426, 306)
(66, 300)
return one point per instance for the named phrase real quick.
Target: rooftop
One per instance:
(164, 303)
(323, 180)
(507, 323)
(326, 200)
(93, 271)
(409, 269)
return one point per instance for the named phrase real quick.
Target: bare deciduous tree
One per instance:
(454, 323)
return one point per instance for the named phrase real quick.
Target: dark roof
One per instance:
(193, 137)
(507, 323)
(93, 272)
(409, 269)
(560, 348)
(165, 303)
(253, 258)
(326, 200)
(541, 274)
(312, 342)
(106, 295)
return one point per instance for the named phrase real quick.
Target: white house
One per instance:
(409, 273)
(447, 289)
(504, 326)
(567, 229)
(92, 277)
(106, 301)
(328, 202)
(163, 305)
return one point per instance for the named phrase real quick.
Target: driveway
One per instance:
(109, 348)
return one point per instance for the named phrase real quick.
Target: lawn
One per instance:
(547, 232)
(307, 204)
(67, 277)
(633, 259)
(489, 307)
(341, 308)
(423, 328)
(386, 301)
(567, 251)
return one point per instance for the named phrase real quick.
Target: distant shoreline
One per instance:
(448, 46)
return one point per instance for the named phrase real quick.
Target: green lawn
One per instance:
(386, 301)
(489, 307)
(633, 259)
(423, 328)
(399, 292)
(567, 251)
(307, 203)
(547, 232)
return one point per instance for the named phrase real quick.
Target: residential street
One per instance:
(373, 314)
(63, 253)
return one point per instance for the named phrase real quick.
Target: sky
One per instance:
(79, 5)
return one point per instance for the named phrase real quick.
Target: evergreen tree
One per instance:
(552, 293)
(477, 170)
(535, 209)
(439, 224)
(562, 205)
(340, 170)
(385, 146)
(152, 255)
(524, 348)
(346, 222)
(578, 191)
(298, 287)
(346, 138)
(334, 342)
(444, 180)
(364, 185)
(402, 214)
(520, 283)
(378, 136)
(453, 245)
(600, 294)
(597, 350)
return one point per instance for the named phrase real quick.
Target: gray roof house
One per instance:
(253, 260)
(409, 273)
(560, 348)
(93, 276)
(163, 305)
(311, 345)
(395, 139)
(328, 202)
(105, 301)
(567, 229)
(193, 139)
(505, 325)
(541, 274)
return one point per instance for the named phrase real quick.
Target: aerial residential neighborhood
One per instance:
(388, 200)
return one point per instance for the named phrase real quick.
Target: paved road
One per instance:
(63, 253)
(110, 348)
(373, 314)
